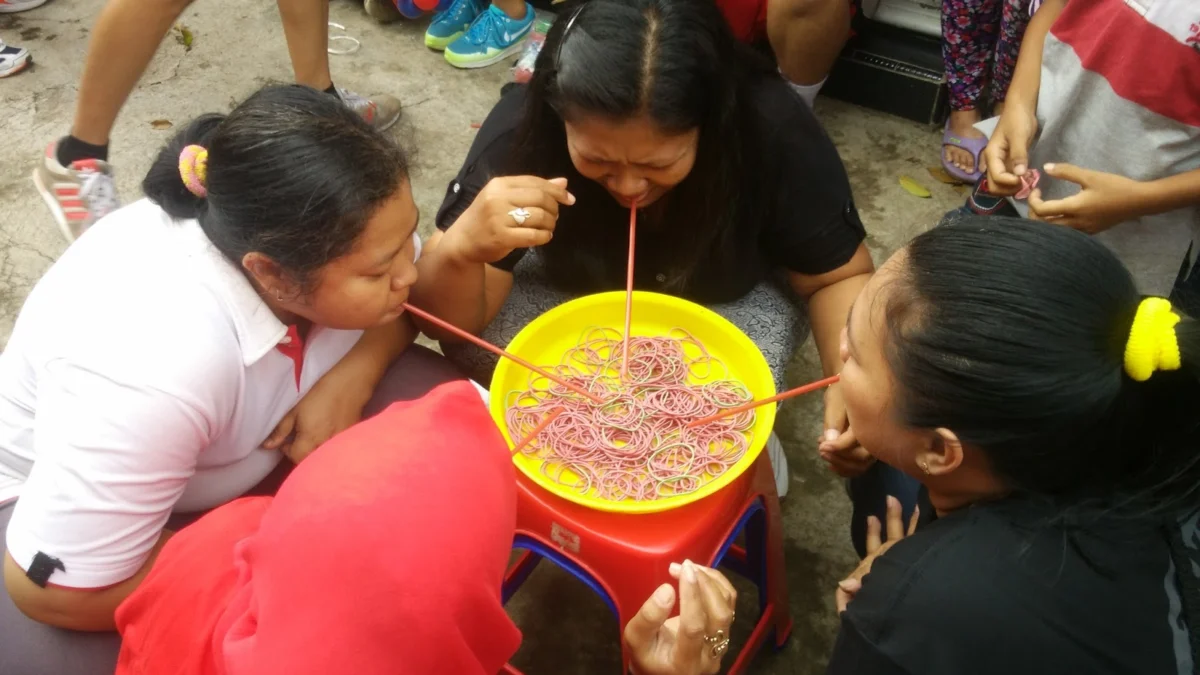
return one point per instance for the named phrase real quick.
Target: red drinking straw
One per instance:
(629, 286)
(500, 352)
(812, 386)
(553, 415)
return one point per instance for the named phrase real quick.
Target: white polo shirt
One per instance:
(142, 377)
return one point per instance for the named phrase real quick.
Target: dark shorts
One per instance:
(31, 648)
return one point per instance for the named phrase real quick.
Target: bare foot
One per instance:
(962, 125)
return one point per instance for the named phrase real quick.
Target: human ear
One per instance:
(942, 455)
(269, 277)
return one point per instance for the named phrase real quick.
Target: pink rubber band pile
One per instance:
(635, 444)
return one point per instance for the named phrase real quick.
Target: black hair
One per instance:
(1011, 333)
(677, 62)
(292, 173)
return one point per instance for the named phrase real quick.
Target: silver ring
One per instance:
(520, 215)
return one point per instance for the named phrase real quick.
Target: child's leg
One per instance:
(807, 36)
(306, 28)
(1013, 21)
(969, 29)
(124, 40)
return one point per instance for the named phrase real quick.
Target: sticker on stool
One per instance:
(566, 539)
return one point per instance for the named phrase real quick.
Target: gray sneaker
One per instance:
(380, 112)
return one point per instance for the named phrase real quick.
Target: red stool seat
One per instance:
(625, 557)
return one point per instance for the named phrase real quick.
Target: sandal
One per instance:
(975, 146)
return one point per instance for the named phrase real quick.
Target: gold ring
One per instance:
(719, 649)
(714, 640)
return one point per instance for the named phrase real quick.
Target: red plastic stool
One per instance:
(625, 557)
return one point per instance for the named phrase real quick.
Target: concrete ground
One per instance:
(238, 46)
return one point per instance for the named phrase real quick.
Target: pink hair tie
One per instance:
(193, 169)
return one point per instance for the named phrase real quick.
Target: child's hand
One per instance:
(1105, 200)
(1007, 153)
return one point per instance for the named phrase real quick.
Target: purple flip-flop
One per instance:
(975, 146)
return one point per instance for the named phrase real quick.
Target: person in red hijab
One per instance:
(381, 554)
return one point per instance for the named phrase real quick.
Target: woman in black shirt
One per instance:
(1053, 416)
(653, 103)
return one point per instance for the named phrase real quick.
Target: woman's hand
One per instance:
(510, 212)
(334, 404)
(1105, 200)
(838, 445)
(848, 587)
(1007, 153)
(693, 642)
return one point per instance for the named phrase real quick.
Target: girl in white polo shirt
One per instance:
(155, 357)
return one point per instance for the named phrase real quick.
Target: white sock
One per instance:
(808, 92)
(779, 465)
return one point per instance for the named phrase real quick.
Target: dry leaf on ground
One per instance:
(914, 188)
(184, 36)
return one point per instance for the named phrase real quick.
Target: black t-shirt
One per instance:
(998, 589)
(809, 223)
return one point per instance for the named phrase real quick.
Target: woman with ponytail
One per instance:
(1052, 416)
(247, 311)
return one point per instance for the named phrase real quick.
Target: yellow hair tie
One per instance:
(1152, 344)
(193, 169)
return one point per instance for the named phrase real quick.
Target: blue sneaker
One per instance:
(449, 25)
(492, 38)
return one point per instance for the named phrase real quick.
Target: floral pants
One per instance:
(980, 43)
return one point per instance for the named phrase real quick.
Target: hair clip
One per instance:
(562, 39)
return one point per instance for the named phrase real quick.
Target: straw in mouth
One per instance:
(812, 386)
(629, 286)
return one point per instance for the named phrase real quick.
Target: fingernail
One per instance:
(831, 435)
(825, 454)
(570, 199)
(675, 569)
(1049, 167)
(689, 572)
(1019, 169)
(893, 503)
(664, 597)
(848, 585)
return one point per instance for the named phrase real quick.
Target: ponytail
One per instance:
(163, 183)
(1032, 343)
(290, 173)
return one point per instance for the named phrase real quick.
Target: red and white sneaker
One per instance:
(78, 195)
